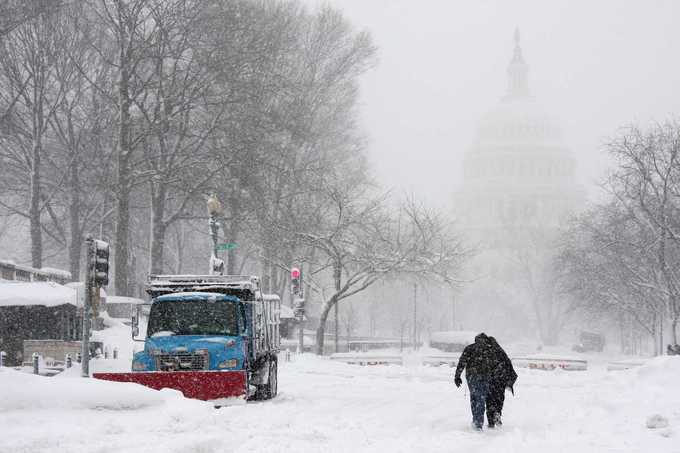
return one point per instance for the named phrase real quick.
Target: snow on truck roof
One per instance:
(48, 294)
(191, 283)
(195, 296)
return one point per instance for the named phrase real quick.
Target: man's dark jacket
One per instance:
(479, 359)
(504, 374)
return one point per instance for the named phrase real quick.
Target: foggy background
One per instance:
(595, 66)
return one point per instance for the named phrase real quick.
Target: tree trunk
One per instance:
(74, 217)
(179, 230)
(332, 302)
(34, 210)
(122, 252)
(158, 230)
(336, 328)
(337, 278)
(323, 318)
(232, 233)
(674, 329)
(661, 321)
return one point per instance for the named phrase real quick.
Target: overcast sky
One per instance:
(596, 65)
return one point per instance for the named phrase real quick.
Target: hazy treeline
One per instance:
(621, 258)
(119, 118)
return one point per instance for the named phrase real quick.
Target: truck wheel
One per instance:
(268, 390)
(273, 386)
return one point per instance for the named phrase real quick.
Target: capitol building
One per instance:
(518, 188)
(518, 174)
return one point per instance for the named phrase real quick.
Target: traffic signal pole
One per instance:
(301, 335)
(297, 295)
(89, 271)
(96, 276)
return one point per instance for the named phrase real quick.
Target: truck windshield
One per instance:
(193, 317)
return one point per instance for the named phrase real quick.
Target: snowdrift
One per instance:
(24, 392)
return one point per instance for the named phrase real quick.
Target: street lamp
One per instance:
(215, 210)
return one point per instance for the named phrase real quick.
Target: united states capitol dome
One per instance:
(518, 118)
(521, 120)
(518, 171)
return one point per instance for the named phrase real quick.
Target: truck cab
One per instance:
(193, 332)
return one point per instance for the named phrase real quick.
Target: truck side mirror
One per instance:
(135, 323)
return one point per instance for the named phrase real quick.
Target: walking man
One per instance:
(479, 360)
(502, 377)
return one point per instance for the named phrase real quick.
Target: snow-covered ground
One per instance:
(325, 406)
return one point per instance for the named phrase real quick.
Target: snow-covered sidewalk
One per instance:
(325, 406)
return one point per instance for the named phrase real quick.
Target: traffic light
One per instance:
(101, 263)
(296, 282)
(297, 292)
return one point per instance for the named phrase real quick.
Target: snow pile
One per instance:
(117, 335)
(66, 275)
(43, 414)
(661, 372)
(23, 391)
(49, 294)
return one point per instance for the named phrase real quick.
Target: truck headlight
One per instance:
(138, 366)
(231, 363)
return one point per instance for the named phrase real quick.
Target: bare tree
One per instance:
(181, 109)
(647, 185)
(32, 58)
(129, 27)
(361, 244)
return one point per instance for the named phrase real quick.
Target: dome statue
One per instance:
(518, 189)
(518, 173)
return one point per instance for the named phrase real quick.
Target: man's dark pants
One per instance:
(494, 402)
(479, 390)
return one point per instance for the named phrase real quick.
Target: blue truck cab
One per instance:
(212, 323)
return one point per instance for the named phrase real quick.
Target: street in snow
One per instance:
(324, 406)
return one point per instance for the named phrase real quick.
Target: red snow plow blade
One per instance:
(200, 385)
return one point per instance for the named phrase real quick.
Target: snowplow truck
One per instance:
(213, 337)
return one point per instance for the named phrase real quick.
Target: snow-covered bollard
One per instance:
(69, 361)
(657, 421)
(35, 358)
(287, 355)
(3, 354)
(115, 353)
(79, 357)
(106, 352)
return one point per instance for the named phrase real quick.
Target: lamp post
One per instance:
(214, 210)
(415, 316)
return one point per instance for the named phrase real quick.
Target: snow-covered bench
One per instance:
(368, 359)
(550, 363)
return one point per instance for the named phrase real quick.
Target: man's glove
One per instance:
(458, 381)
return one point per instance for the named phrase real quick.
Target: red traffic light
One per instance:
(295, 273)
